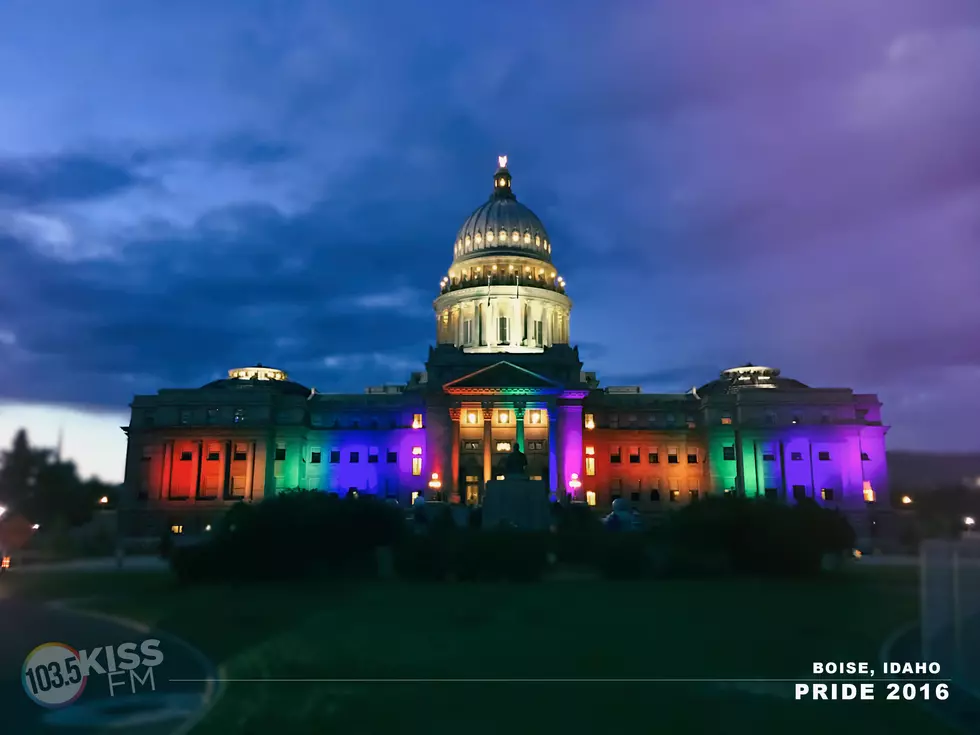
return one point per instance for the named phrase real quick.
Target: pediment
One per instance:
(503, 378)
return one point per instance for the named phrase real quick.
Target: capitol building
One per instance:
(502, 375)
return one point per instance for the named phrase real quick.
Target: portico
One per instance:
(502, 408)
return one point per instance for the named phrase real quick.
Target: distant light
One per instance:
(857, 553)
(104, 499)
(906, 500)
(36, 526)
(969, 520)
(502, 160)
(2, 510)
(207, 527)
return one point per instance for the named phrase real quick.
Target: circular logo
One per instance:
(52, 675)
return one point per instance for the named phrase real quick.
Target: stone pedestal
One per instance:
(517, 501)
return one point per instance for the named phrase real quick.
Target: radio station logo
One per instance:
(55, 674)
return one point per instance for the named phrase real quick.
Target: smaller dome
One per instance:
(258, 377)
(749, 377)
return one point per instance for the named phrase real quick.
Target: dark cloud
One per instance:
(62, 178)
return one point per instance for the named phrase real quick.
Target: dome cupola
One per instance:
(502, 225)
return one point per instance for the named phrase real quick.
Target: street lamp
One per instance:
(969, 521)
(906, 500)
(104, 500)
(2, 511)
(35, 526)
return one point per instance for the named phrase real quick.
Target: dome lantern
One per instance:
(502, 181)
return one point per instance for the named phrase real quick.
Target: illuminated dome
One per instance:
(259, 377)
(748, 377)
(502, 226)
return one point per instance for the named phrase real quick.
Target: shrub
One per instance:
(624, 556)
(291, 535)
(757, 537)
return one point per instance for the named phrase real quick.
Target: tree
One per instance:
(38, 485)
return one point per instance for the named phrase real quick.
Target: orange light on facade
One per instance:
(589, 421)
(869, 493)
(471, 417)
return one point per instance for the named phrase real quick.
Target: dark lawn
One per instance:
(719, 629)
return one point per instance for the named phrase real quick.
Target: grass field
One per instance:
(596, 630)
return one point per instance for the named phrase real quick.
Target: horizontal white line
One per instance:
(867, 679)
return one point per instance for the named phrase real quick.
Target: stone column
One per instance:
(553, 480)
(451, 483)
(570, 444)
(200, 469)
(250, 470)
(519, 418)
(168, 470)
(487, 448)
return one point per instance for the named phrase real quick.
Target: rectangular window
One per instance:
(315, 456)
(614, 421)
(672, 455)
(536, 446)
(355, 457)
(590, 497)
(653, 457)
(238, 484)
(615, 455)
(185, 417)
(771, 493)
(372, 455)
(590, 466)
(468, 332)
(504, 447)
(213, 414)
(655, 496)
(280, 454)
(241, 452)
(214, 452)
(334, 456)
(634, 455)
(865, 457)
(416, 466)
(671, 419)
(675, 495)
(186, 456)
(539, 333)
(503, 331)
(726, 419)
(799, 492)
(768, 456)
(827, 493)
(796, 456)
(589, 421)
(695, 494)
(692, 456)
(472, 445)
(728, 453)
(392, 457)
(417, 421)
(824, 456)
(631, 420)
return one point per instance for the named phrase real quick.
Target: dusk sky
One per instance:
(187, 187)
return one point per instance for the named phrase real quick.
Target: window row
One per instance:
(634, 421)
(634, 455)
(501, 237)
(769, 455)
